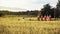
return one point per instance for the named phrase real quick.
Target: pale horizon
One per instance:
(25, 4)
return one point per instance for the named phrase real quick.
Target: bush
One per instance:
(1, 14)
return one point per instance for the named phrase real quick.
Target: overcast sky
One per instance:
(27, 4)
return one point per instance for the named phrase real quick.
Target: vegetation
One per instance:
(28, 24)
(11, 25)
(4, 29)
(46, 10)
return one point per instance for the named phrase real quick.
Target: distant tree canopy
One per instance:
(58, 9)
(46, 10)
(54, 12)
(28, 13)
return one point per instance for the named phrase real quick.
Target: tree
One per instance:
(58, 9)
(46, 10)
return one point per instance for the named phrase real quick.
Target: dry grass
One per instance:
(17, 25)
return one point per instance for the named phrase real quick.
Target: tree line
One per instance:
(46, 10)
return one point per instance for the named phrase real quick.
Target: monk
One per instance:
(44, 18)
(38, 18)
(48, 18)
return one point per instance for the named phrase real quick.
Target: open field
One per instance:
(17, 25)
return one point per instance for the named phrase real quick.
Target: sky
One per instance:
(26, 4)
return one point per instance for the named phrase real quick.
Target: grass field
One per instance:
(17, 25)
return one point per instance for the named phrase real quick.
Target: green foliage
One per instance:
(58, 9)
(46, 10)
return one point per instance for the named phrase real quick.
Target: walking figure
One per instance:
(38, 18)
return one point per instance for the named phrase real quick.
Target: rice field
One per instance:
(17, 25)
